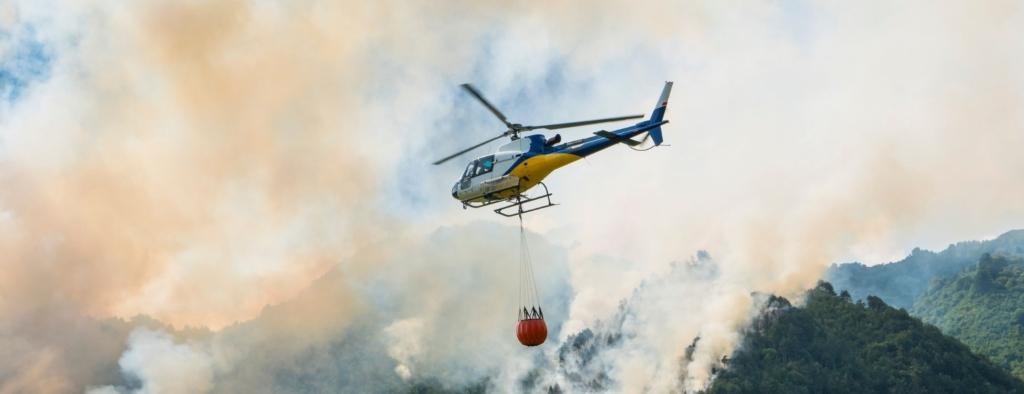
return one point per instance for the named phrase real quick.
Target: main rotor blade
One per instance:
(468, 149)
(582, 123)
(469, 88)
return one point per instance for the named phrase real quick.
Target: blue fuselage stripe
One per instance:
(596, 144)
(587, 146)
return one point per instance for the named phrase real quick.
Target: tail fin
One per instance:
(659, 113)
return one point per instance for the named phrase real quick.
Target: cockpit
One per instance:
(479, 167)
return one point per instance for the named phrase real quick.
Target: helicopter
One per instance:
(523, 162)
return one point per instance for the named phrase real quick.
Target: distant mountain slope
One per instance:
(833, 345)
(900, 283)
(982, 307)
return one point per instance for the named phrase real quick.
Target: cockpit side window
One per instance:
(479, 167)
(484, 165)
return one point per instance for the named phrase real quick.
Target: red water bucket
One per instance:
(531, 332)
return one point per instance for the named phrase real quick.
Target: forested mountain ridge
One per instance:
(984, 308)
(900, 283)
(836, 345)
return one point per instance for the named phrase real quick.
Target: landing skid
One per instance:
(519, 203)
(522, 200)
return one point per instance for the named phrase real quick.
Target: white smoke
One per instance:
(406, 341)
(163, 366)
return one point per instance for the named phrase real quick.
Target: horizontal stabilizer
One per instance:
(616, 138)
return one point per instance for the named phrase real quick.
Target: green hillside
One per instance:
(984, 308)
(835, 345)
(900, 283)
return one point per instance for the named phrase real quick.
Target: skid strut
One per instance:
(521, 201)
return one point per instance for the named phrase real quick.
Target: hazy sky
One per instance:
(198, 161)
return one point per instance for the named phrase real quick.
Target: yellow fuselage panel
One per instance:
(534, 169)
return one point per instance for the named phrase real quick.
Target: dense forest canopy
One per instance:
(971, 290)
(836, 345)
(982, 307)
